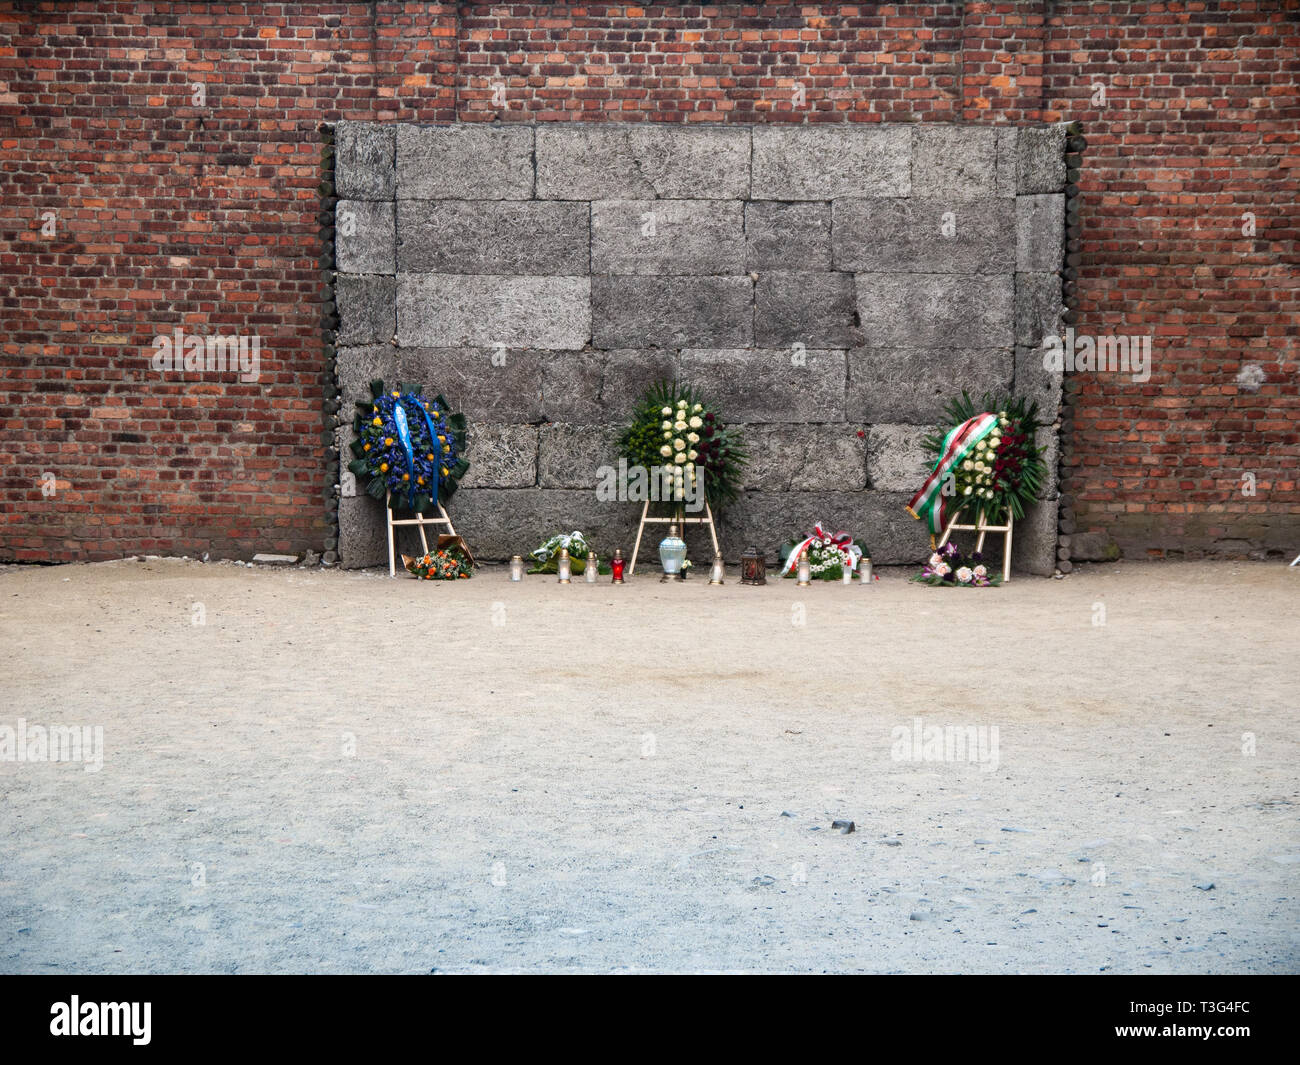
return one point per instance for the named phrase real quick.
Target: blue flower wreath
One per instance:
(408, 446)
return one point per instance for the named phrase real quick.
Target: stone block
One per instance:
(589, 387)
(769, 386)
(1033, 543)
(913, 385)
(444, 310)
(664, 237)
(465, 162)
(827, 162)
(365, 155)
(365, 237)
(1035, 382)
(534, 237)
(1040, 159)
(501, 456)
(671, 312)
(925, 236)
(367, 311)
(878, 521)
(362, 533)
(952, 162)
(616, 162)
(897, 461)
(935, 310)
(1038, 307)
(1040, 232)
(788, 236)
(815, 458)
(1008, 161)
(478, 383)
(813, 309)
(570, 456)
(1094, 547)
(500, 522)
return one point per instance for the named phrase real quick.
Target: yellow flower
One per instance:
(441, 439)
(444, 471)
(378, 421)
(406, 477)
(388, 441)
(365, 447)
(429, 456)
(394, 395)
(383, 467)
(445, 449)
(419, 480)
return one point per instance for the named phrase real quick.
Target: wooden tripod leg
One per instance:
(947, 532)
(388, 517)
(983, 526)
(447, 518)
(1006, 550)
(631, 569)
(424, 540)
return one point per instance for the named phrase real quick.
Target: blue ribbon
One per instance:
(404, 434)
(436, 448)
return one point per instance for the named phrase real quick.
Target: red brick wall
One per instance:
(204, 217)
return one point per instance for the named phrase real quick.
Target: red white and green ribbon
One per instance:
(929, 503)
(839, 539)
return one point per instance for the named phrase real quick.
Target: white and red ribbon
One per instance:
(839, 539)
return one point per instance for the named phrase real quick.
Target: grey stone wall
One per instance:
(815, 282)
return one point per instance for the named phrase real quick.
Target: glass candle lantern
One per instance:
(805, 569)
(516, 567)
(563, 567)
(846, 573)
(672, 553)
(753, 567)
(592, 567)
(717, 571)
(864, 569)
(616, 566)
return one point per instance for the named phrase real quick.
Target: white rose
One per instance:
(936, 559)
(666, 411)
(696, 422)
(692, 455)
(679, 458)
(666, 425)
(679, 426)
(967, 490)
(694, 438)
(964, 575)
(665, 451)
(967, 465)
(690, 467)
(698, 407)
(981, 571)
(681, 403)
(679, 445)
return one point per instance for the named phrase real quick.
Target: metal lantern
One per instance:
(805, 569)
(563, 567)
(717, 571)
(672, 553)
(616, 566)
(592, 567)
(753, 567)
(516, 567)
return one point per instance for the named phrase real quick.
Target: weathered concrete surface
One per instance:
(468, 162)
(770, 386)
(365, 237)
(971, 236)
(913, 385)
(672, 312)
(367, 308)
(664, 237)
(572, 784)
(447, 310)
(827, 162)
(816, 310)
(936, 310)
(788, 236)
(494, 237)
(365, 160)
(618, 162)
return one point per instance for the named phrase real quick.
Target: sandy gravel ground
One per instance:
(336, 772)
